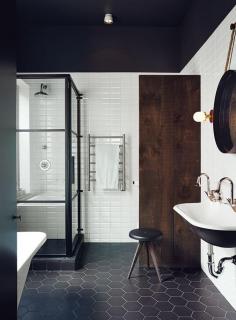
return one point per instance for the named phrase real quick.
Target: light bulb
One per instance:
(200, 116)
(108, 19)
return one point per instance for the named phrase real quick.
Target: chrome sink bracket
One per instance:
(220, 266)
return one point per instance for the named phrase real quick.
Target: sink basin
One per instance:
(213, 222)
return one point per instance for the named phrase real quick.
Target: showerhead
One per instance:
(42, 92)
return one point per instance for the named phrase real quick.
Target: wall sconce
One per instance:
(201, 116)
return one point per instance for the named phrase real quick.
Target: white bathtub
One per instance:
(28, 243)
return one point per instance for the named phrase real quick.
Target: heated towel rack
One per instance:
(92, 159)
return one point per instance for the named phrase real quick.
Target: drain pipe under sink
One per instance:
(211, 262)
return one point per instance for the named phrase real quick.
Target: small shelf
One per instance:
(40, 130)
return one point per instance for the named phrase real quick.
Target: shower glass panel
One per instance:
(41, 166)
(48, 145)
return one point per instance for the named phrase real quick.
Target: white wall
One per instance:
(110, 107)
(209, 62)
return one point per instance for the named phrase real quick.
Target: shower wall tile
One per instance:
(110, 107)
(209, 62)
(48, 219)
(46, 113)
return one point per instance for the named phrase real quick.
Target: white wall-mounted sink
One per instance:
(213, 222)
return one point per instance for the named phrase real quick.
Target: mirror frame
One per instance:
(224, 123)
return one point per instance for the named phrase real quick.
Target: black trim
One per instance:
(224, 112)
(74, 133)
(79, 97)
(75, 195)
(68, 168)
(42, 76)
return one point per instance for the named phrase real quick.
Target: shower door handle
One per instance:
(16, 218)
(72, 169)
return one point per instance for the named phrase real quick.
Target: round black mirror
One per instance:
(224, 118)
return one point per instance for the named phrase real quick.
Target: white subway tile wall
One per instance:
(46, 112)
(110, 106)
(209, 62)
(49, 219)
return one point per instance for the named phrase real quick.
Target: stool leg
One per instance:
(154, 259)
(147, 251)
(135, 258)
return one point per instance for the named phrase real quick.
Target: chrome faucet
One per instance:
(218, 190)
(199, 181)
(211, 194)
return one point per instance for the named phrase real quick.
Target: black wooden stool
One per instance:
(147, 237)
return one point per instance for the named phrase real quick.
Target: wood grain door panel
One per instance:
(169, 161)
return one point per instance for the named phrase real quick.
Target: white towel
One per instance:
(107, 166)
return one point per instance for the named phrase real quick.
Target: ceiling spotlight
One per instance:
(108, 19)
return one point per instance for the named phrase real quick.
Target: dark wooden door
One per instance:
(169, 161)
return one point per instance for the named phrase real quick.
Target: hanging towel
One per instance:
(107, 166)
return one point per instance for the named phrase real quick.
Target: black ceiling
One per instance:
(161, 13)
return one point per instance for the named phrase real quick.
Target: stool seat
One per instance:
(146, 234)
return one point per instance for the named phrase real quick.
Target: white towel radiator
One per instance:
(92, 159)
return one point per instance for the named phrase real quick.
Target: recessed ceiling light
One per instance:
(108, 19)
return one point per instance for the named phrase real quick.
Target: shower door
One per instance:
(48, 170)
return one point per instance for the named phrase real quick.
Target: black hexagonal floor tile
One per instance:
(131, 296)
(116, 301)
(196, 306)
(99, 316)
(147, 301)
(100, 306)
(117, 311)
(178, 301)
(190, 296)
(133, 315)
(149, 311)
(160, 296)
(102, 291)
(167, 315)
(215, 311)
(201, 315)
(170, 284)
(164, 306)
(132, 306)
(101, 296)
(174, 292)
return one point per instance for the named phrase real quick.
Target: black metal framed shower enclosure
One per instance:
(70, 242)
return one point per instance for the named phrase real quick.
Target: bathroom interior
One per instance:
(118, 192)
